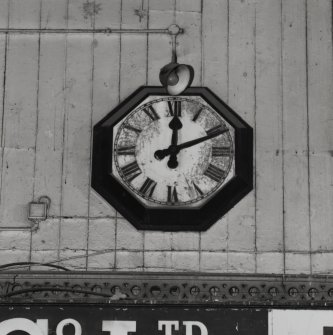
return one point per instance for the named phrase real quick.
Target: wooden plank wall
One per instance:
(270, 60)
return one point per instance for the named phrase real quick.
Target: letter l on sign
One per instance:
(119, 327)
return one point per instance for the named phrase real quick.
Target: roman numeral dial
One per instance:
(175, 108)
(197, 114)
(130, 150)
(221, 151)
(151, 113)
(214, 173)
(131, 171)
(148, 187)
(172, 194)
(173, 151)
(197, 189)
(220, 129)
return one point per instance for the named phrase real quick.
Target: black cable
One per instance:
(4, 266)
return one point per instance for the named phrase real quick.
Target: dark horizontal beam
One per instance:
(166, 288)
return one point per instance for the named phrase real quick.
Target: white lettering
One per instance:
(38, 328)
(63, 323)
(189, 326)
(168, 326)
(119, 327)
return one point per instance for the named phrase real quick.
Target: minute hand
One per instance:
(174, 149)
(201, 139)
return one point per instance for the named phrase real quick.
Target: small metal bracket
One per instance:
(38, 210)
(174, 29)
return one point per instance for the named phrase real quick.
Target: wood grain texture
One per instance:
(215, 46)
(214, 75)
(4, 14)
(19, 117)
(3, 70)
(133, 63)
(295, 154)
(77, 131)
(51, 108)
(53, 14)
(189, 43)
(159, 47)
(132, 74)
(269, 175)
(24, 14)
(241, 61)
(77, 125)
(50, 120)
(320, 103)
(4, 21)
(105, 95)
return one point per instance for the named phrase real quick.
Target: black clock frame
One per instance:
(171, 219)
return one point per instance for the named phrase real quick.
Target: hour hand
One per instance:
(175, 124)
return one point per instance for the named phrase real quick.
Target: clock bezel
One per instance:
(169, 218)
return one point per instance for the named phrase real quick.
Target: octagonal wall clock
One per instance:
(172, 162)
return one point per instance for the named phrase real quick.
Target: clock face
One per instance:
(173, 151)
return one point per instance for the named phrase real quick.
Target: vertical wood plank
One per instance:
(77, 113)
(133, 73)
(133, 67)
(189, 43)
(19, 119)
(215, 46)
(105, 96)
(159, 46)
(269, 180)
(77, 129)
(188, 5)
(53, 15)
(49, 141)
(295, 167)
(49, 145)
(4, 14)
(215, 40)
(105, 81)
(320, 104)
(24, 14)
(4, 17)
(241, 223)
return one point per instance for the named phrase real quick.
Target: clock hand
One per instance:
(201, 139)
(175, 124)
(174, 149)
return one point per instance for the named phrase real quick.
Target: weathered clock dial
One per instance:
(172, 162)
(173, 151)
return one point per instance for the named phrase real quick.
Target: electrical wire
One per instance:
(20, 265)
(23, 264)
